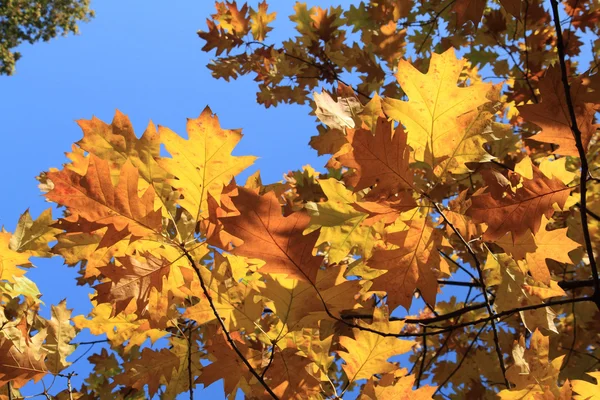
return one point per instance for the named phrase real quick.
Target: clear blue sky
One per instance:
(143, 58)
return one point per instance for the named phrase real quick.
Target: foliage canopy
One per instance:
(34, 20)
(450, 250)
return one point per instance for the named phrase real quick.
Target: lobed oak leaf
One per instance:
(518, 212)
(388, 388)
(58, 341)
(537, 248)
(297, 303)
(381, 158)
(516, 290)
(118, 329)
(268, 235)
(387, 211)
(203, 163)
(336, 114)
(367, 353)
(259, 21)
(152, 368)
(341, 225)
(95, 198)
(19, 366)
(532, 370)
(436, 106)
(32, 237)
(235, 302)
(10, 260)
(225, 363)
(415, 264)
(586, 390)
(469, 10)
(289, 376)
(552, 114)
(133, 279)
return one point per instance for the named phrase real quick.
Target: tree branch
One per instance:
(580, 149)
(462, 360)
(223, 327)
(485, 296)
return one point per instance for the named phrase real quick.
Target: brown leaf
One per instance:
(268, 235)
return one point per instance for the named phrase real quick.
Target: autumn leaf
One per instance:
(587, 390)
(21, 365)
(259, 20)
(367, 353)
(203, 163)
(153, 368)
(523, 210)
(58, 342)
(268, 235)
(341, 225)
(289, 376)
(10, 260)
(32, 237)
(402, 389)
(336, 114)
(414, 264)
(380, 158)
(133, 279)
(435, 106)
(532, 370)
(552, 114)
(226, 364)
(95, 198)
(537, 248)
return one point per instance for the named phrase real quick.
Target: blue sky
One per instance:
(143, 58)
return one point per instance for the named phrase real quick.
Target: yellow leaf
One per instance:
(435, 116)
(367, 353)
(203, 163)
(10, 260)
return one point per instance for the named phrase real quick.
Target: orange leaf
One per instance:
(269, 236)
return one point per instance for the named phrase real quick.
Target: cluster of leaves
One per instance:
(34, 20)
(436, 182)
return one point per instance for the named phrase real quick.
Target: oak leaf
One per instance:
(537, 248)
(414, 264)
(336, 114)
(133, 279)
(436, 104)
(266, 234)
(367, 353)
(152, 368)
(341, 225)
(32, 237)
(388, 388)
(58, 341)
(203, 163)
(19, 366)
(10, 260)
(586, 390)
(380, 158)
(552, 114)
(95, 198)
(532, 370)
(523, 210)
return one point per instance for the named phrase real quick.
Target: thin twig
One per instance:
(580, 149)
(482, 282)
(422, 359)
(223, 327)
(462, 360)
